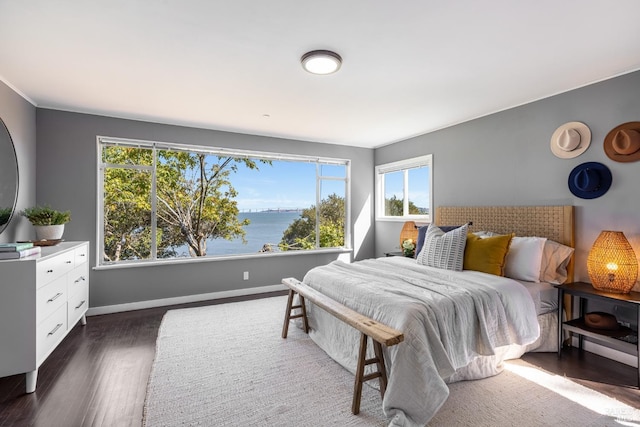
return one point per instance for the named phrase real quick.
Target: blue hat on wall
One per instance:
(590, 180)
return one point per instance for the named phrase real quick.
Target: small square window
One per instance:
(404, 190)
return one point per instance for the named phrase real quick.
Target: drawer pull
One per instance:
(49, 271)
(55, 297)
(53, 331)
(80, 279)
(81, 304)
(83, 254)
(67, 262)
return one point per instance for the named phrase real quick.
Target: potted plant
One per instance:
(408, 248)
(48, 222)
(5, 214)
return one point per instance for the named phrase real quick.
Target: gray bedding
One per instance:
(449, 319)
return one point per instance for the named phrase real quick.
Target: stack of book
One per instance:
(18, 250)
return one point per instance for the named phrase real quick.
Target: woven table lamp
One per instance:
(409, 231)
(612, 263)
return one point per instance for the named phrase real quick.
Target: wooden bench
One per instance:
(369, 328)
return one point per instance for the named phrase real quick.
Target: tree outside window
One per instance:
(403, 190)
(165, 201)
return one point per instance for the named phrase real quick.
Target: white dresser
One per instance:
(41, 300)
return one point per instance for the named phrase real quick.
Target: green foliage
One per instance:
(301, 234)
(195, 202)
(394, 207)
(45, 215)
(5, 214)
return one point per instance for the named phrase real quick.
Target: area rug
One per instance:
(227, 365)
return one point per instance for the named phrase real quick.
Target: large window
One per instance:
(160, 201)
(403, 190)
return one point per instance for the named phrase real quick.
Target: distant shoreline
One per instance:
(271, 210)
(266, 227)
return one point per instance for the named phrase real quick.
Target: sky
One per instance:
(418, 186)
(284, 185)
(291, 185)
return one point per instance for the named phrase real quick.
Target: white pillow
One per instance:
(484, 234)
(444, 250)
(524, 258)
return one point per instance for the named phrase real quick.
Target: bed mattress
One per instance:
(544, 296)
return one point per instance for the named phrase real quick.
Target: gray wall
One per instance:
(502, 159)
(67, 180)
(505, 159)
(20, 118)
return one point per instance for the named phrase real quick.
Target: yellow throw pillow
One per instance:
(487, 255)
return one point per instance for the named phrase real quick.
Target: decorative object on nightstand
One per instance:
(409, 231)
(408, 248)
(612, 263)
(601, 321)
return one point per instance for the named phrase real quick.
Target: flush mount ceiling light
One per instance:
(321, 62)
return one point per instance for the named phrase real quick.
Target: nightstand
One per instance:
(397, 253)
(624, 339)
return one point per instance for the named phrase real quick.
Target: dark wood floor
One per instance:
(98, 375)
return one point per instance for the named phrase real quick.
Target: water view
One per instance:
(265, 228)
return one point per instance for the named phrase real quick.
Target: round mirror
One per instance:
(8, 177)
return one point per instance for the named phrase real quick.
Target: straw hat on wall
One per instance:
(590, 180)
(622, 143)
(570, 140)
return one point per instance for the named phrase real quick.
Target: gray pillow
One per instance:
(444, 250)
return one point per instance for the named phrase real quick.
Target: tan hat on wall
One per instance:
(622, 143)
(570, 140)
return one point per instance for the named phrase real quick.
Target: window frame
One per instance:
(403, 166)
(102, 141)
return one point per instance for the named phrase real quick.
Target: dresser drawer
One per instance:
(50, 269)
(78, 304)
(78, 277)
(81, 255)
(50, 297)
(50, 332)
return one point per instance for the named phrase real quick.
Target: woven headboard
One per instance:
(552, 222)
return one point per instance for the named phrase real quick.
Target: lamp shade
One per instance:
(612, 263)
(409, 231)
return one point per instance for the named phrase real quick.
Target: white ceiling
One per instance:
(410, 67)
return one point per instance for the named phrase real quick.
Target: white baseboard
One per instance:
(607, 352)
(108, 309)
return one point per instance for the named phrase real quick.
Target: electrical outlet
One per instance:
(245, 275)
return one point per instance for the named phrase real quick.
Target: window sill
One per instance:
(420, 219)
(174, 261)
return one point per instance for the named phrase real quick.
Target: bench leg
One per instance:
(381, 368)
(303, 307)
(288, 316)
(361, 377)
(357, 385)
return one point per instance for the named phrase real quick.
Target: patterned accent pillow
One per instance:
(423, 230)
(444, 250)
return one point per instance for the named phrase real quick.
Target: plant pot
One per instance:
(49, 232)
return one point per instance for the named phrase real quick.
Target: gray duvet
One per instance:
(449, 320)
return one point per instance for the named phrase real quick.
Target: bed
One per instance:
(458, 325)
